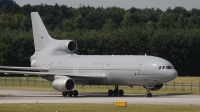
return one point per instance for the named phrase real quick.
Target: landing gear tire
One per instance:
(148, 92)
(148, 95)
(75, 93)
(70, 93)
(64, 94)
(121, 92)
(116, 92)
(110, 92)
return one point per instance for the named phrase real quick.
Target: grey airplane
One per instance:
(56, 61)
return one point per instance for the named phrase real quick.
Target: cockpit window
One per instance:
(165, 67)
(168, 67)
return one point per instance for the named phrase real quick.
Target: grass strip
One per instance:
(95, 108)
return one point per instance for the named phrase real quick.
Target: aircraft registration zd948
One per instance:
(56, 61)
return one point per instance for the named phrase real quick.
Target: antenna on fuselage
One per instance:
(145, 54)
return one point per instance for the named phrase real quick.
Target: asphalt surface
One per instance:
(28, 96)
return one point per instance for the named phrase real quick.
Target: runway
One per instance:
(28, 96)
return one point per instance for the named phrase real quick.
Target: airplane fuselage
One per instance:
(122, 70)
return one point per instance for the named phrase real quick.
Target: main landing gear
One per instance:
(115, 92)
(148, 94)
(70, 93)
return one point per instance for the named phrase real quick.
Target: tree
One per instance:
(9, 3)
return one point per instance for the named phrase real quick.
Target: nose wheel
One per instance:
(148, 94)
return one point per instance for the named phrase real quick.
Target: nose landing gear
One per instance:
(148, 94)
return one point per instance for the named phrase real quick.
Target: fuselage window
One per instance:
(163, 67)
(160, 67)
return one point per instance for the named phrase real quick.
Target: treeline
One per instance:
(173, 34)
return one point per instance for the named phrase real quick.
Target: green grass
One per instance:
(94, 108)
(2, 95)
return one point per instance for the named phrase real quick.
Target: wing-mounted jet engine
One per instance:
(65, 85)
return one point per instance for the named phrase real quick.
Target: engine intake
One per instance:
(71, 46)
(63, 84)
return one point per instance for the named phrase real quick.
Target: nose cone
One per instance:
(173, 74)
(168, 75)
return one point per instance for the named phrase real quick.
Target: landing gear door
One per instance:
(143, 68)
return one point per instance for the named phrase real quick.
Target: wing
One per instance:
(43, 71)
(24, 68)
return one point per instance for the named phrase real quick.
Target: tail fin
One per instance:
(40, 33)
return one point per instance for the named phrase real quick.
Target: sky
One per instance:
(162, 4)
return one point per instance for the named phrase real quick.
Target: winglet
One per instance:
(40, 33)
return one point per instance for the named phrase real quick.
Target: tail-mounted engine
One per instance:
(68, 46)
(55, 47)
(155, 87)
(63, 84)
(58, 47)
(71, 46)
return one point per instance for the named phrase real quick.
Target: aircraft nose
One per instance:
(174, 74)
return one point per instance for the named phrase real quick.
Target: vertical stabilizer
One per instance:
(40, 33)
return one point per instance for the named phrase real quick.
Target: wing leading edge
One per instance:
(24, 68)
(42, 72)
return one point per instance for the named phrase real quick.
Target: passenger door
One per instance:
(143, 68)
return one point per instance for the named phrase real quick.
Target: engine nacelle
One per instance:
(155, 87)
(63, 84)
(71, 46)
(68, 46)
